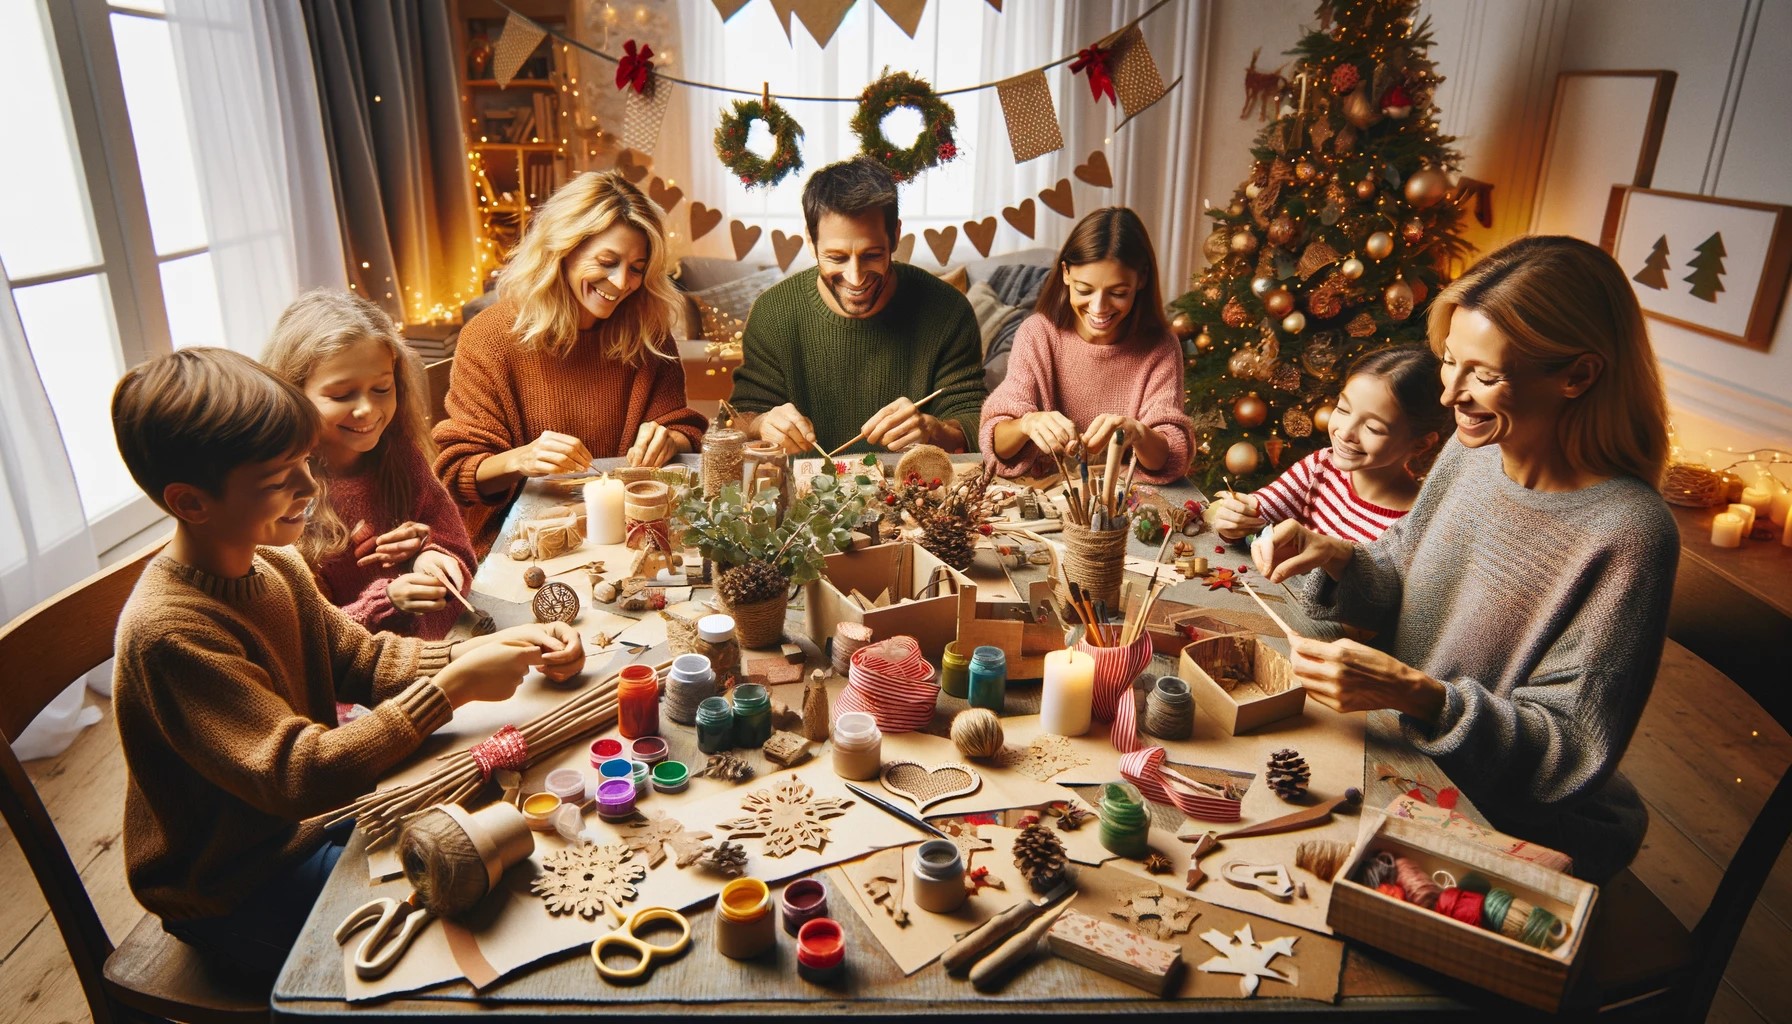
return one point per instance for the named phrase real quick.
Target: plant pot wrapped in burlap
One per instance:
(1095, 560)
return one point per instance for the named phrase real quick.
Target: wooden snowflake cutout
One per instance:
(588, 880)
(1157, 913)
(789, 817)
(651, 838)
(1044, 758)
(1240, 954)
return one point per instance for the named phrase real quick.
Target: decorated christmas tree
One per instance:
(1345, 226)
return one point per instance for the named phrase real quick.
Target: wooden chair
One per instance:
(150, 974)
(438, 373)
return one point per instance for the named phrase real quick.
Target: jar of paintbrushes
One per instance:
(1096, 523)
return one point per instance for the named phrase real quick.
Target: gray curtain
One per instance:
(387, 81)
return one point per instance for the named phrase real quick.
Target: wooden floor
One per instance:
(1705, 756)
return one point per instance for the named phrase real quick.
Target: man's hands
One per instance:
(654, 446)
(788, 428)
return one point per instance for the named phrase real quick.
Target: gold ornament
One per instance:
(1182, 324)
(1235, 210)
(1360, 110)
(1250, 411)
(1203, 341)
(1361, 325)
(1217, 245)
(1281, 230)
(1413, 231)
(1305, 170)
(1399, 299)
(1426, 188)
(1251, 190)
(1379, 246)
(1322, 416)
(1260, 286)
(1365, 189)
(1352, 268)
(1279, 302)
(1242, 363)
(1296, 423)
(1244, 242)
(1286, 377)
(1295, 322)
(1234, 314)
(1242, 459)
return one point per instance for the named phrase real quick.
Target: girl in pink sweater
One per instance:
(1095, 357)
(384, 539)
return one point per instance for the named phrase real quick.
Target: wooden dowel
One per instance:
(860, 436)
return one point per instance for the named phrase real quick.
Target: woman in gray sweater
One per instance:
(1519, 610)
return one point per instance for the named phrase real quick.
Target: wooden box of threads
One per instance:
(1529, 919)
(912, 594)
(1240, 680)
(1026, 633)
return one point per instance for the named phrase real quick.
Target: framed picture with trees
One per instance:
(1716, 266)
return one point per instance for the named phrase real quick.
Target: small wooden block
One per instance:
(772, 670)
(1195, 877)
(785, 748)
(1115, 951)
(793, 653)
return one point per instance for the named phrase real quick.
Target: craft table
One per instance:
(310, 988)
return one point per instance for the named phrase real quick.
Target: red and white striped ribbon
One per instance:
(893, 683)
(1145, 769)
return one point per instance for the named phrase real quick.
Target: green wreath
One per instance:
(934, 146)
(751, 168)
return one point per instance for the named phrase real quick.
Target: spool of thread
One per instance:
(616, 799)
(977, 733)
(1522, 921)
(690, 682)
(1420, 889)
(566, 783)
(1461, 905)
(1323, 857)
(1170, 709)
(648, 749)
(715, 725)
(848, 638)
(452, 858)
(671, 777)
(538, 811)
(820, 949)
(1125, 827)
(1378, 871)
(605, 749)
(801, 902)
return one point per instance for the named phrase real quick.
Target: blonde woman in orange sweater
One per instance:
(574, 361)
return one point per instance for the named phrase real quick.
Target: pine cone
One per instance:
(727, 858)
(1039, 854)
(751, 583)
(727, 767)
(1157, 863)
(1288, 774)
(952, 541)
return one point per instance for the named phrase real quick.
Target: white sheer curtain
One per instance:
(957, 44)
(270, 207)
(44, 542)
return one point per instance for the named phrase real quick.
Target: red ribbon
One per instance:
(506, 749)
(1094, 60)
(634, 68)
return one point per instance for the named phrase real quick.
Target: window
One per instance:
(107, 254)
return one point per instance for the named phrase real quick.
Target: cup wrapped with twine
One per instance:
(1095, 560)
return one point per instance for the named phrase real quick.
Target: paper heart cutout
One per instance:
(633, 165)
(905, 248)
(745, 238)
(703, 220)
(925, 785)
(1095, 171)
(785, 247)
(981, 233)
(1057, 199)
(941, 242)
(665, 195)
(1020, 218)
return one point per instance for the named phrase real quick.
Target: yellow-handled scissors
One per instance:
(625, 938)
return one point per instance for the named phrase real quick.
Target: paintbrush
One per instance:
(889, 808)
(860, 436)
(1110, 473)
(1132, 465)
(482, 622)
(1267, 610)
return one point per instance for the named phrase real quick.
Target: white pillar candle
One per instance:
(1782, 505)
(1068, 692)
(1746, 513)
(1786, 533)
(603, 511)
(1727, 530)
(1759, 497)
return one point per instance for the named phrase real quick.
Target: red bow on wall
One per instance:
(634, 68)
(1094, 60)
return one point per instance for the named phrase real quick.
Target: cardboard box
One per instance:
(1479, 956)
(1217, 670)
(1173, 626)
(905, 570)
(1026, 633)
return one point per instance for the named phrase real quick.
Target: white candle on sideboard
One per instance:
(1759, 497)
(1727, 530)
(603, 511)
(1067, 693)
(1786, 532)
(1782, 505)
(1746, 513)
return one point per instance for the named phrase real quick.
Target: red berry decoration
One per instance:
(1345, 78)
(1219, 549)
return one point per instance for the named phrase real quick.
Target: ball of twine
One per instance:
(441, 863)
(977, 732)
(1323, 857)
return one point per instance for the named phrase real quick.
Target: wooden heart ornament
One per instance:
(1095, 171)
(1020, 218)
(745, 238)
(981, 233)
(941, 242)
(785, 247)
(905, 249)
(1057, 199)
(703, 220)
(633, 165)
(924, 785)
(665, 195)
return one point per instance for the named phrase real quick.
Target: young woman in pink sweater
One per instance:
(384, 539)
(1095, 357)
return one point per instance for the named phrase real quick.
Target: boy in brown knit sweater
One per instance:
(230, 665)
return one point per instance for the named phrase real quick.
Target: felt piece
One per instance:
(905, 13)
(785, 248)
(1031, 119)
(941, 242)
(643, 113)
(822, 17)
(905, 249)
(1021, 218)
(1058, 199)
(1095, 171)
(1136, 79)
(703, 220)
(668, 196)
(744, 238)
(981, 233)
(518, 40)
(1000, 789)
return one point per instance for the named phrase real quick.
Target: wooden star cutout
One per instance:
(1240, 955)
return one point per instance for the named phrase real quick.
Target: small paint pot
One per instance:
(802, 901)
(615, 799)
(538, 811)
(617, 768)
(566, 783)
(648, 749)
(939, 876)
(639, 772)
(745, 927)
(671, 776)
(604, 749)
(820, 950)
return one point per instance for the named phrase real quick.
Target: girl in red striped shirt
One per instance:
(1389, 420)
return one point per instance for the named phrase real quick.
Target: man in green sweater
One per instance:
(850, 346)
